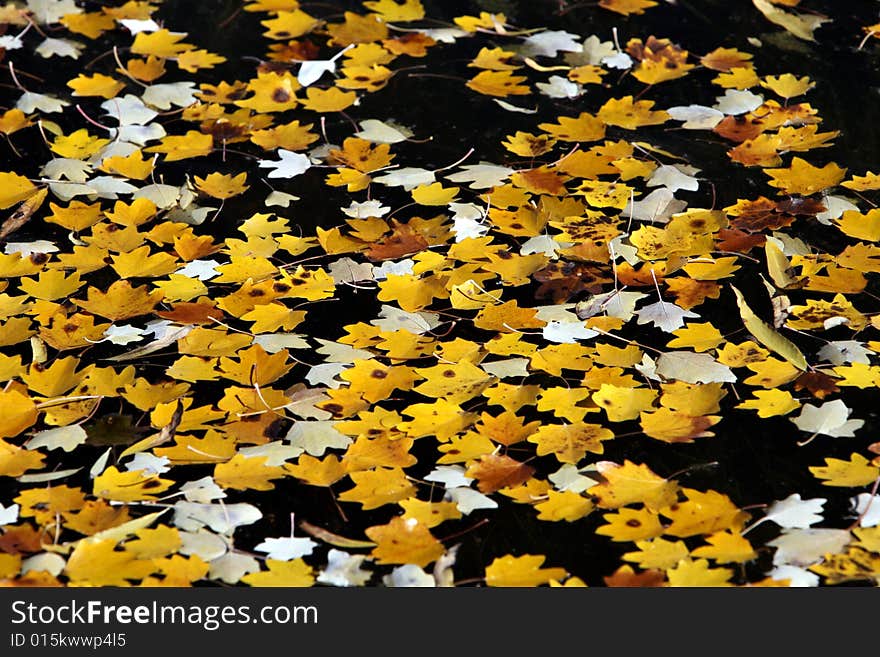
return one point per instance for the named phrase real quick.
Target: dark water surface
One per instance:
(752, 462)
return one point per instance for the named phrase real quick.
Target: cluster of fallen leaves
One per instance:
(534, 306)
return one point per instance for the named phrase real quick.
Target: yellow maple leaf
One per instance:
(394, 11)
(97, 84)
(703, 513)
(658, 553)
(698, 573)
(570, 442)
(160, 43)
(499, 84)
(317, 472)
(524, 570)
(627, 524)
(120, 301)
(770, 403)
(132, 486)
(563, 505)
(14, 460)
(181, 147)
(434, 194)
(726, 547)
(402, 541)
(375, 488)
(629, 114)
(247, 473)
(852, 473)
(630, 483)
(803, 178)
(627, 7)
(99, 563)
(222, 185)
(293, 573)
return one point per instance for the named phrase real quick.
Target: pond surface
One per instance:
(754, 462)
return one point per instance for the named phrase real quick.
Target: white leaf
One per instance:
(835, 207)
(692, 368)
(510, 107)
(29, 102)
(393, 319)
(696, 117)
(481, 176)
(380, 132)
(346, 270)
(9, 42)
(798, 577)
(281, 199)
(324, 374)
(66, 167)
(9, 514)
(337, 352)
(51, 11)
(567, 332)
(804, 547)
(291, 164)
(738, 101)
(365, 209)
(445, 34)
(275, 452)
(202, 543)
(407, 177)
(42, 477)
(795, 513)
(468, 500)
(543, 244)
(559, 87)
(61, 47)
(867, 509)
(841, 352)
(100, 463)
(287, 548)
(129, 110)
(232, 566)
(67, 438)
(134, 25)
(275, 342)
(149, 463)
(507, 368)
(569, 478)
(618, 60)
(616, 303)
(202, 490)
(140, 134)
(409, 576)
(451, 476)
(673, 178)
(203, 270)
(829, 419)
(312, 70)
(163, 196)
(48, 562)
(344, 569)
(123, 334)
(29, 248)
(165, 95)
(593, 51)
(391, 268)
(658, 207)
(316, 437)
(110, 187)
(549, 42)
(664, 315)
(222, 518)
